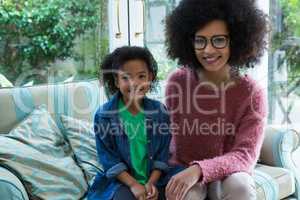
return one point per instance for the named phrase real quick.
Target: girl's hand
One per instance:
(152, 192)
(180, 183)
(139, 191)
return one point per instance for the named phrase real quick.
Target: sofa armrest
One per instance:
(279, 145)
(278, 140)
(11, 187)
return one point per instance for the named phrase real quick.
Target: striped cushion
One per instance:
(273, 182)
(80, 135)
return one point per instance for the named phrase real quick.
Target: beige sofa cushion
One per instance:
(273, 182)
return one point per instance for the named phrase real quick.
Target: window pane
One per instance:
(156, 11)
(284, 68)
(49, 41)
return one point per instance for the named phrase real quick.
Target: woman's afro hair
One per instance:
(247, 26)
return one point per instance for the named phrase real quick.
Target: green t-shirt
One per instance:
(134, 127)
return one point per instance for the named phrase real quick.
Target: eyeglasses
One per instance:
(217, 41)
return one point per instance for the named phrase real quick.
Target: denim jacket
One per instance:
(113, 145)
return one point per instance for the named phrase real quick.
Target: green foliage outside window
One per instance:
(287, 41)
(36, 33)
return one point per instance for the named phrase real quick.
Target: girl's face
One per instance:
(211, 44)
(134, 79)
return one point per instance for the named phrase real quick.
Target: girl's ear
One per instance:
(151, 77)
(116, 82)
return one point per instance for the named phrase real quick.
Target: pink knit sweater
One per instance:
(221, 128)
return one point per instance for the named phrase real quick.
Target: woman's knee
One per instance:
(197, 192)
(239, 186)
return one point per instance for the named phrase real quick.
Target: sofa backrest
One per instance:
(79, 99)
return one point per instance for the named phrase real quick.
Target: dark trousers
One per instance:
(124, 193)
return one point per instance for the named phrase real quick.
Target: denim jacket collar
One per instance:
(111, 108)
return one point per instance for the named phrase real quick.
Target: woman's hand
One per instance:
(139, 191)
(180, 183)
(152, 192)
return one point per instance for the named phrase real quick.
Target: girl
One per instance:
(132, 131)
(220, 112)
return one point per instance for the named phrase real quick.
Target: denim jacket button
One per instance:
(151, 157)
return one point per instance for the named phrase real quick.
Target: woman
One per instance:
(217, 113)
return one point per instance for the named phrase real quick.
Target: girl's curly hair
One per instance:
(115, 60)
(247, 26)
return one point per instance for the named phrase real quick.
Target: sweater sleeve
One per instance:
(247, 143)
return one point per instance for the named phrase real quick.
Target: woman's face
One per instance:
(211, 44)
(133, 80)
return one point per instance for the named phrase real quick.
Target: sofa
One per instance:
(61, 115)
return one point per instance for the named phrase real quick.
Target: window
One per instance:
(156, 11)
(284, 63)
(51, 41)
(143, 25)
(63, 41)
